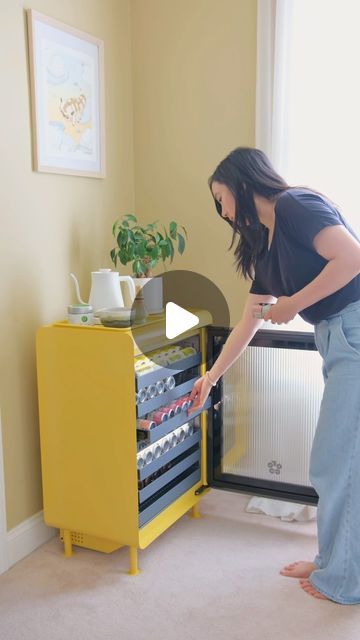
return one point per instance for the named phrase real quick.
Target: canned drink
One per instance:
(175, 357)
(140, 370)
(156, 450)
(189, 351)
(165, 445)
(175, 407)
(169, 383)
(140, 460)
(151, 391)
(264, 308)
(160, 359)
(141, 395)
(181, 434)
(158, 416)
(171, 350)
(170, 412)
(173, 439)
(160, 387)
(148, 455)
(183, 404)
(145, 425)
(189, 429)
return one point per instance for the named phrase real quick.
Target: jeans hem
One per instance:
(337, 600)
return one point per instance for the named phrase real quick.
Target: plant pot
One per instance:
(153, 293)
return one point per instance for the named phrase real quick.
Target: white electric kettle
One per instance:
(106, 290)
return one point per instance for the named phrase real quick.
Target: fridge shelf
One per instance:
(168, 494)
(166, 477)
(170, 455)
(159, 401)
(164, 372)
(177, 421)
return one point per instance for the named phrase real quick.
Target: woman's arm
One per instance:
(237, 341)
(342, 251)
(239, 337)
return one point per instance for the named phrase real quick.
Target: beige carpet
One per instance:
(208, 579)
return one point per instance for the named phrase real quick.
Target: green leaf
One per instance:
(139, 267)
(153, 264)
(153, 224)
(131, 250)
(173, 228)
(155, 253)
(186, 235)
(113, 255)
(123, 257)
(131, 217)
(125, 223)
(140, 249)
(114, 227)
(136, 265)
(181, 243)
(171, 246)
(122, 237)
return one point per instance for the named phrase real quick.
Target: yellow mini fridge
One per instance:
(116, 473)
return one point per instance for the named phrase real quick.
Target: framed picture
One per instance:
(67, 96)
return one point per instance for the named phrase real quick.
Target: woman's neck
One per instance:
(266, 211)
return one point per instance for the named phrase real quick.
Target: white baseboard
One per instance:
(26, 537)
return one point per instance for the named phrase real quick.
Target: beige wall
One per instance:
(192, 66)
(51, 224)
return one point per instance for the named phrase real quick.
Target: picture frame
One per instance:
(67, 98)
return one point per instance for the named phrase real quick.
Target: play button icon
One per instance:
(185, 294)
(178, 320)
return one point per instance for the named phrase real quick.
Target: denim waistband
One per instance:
(353, 306)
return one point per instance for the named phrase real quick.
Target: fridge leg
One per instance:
(134, 569)
(195, 511)
(67, 544)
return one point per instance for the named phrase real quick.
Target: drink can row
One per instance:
(162, 446)
(163, 358)
(156, 389)
(162, 414)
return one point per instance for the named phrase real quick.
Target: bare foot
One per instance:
(298, 569)
(310, 589)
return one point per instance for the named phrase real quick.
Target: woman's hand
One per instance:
(199, 394)
(283, 311)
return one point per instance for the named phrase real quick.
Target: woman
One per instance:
(303, 257)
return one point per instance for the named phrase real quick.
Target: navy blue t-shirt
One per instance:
(292, 262)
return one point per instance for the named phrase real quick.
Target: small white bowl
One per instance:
(116, 316)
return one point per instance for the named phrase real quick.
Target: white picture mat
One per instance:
(67, 96)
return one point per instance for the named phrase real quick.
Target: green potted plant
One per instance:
(144, 247)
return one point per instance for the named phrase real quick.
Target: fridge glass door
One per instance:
(264, 414)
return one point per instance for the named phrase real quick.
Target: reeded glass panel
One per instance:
(271, 403)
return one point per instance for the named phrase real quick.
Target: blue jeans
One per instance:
(335, 458)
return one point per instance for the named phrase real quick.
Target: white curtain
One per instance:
(308, 95)
(274, 33)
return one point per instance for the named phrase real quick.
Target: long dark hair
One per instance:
(246, 171)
